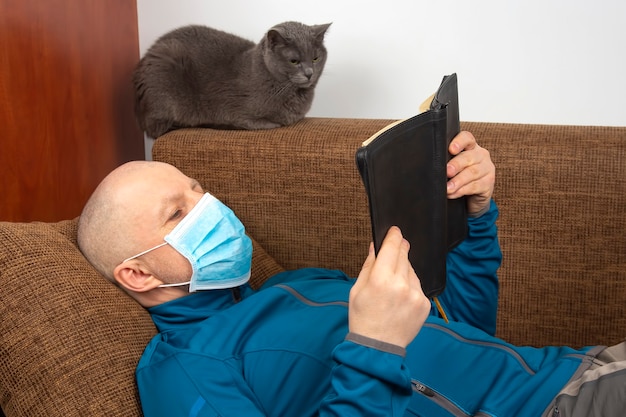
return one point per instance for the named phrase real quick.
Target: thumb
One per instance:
(369, 262)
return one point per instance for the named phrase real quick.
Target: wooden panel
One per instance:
(66, 116)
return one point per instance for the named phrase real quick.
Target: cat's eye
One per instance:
(295, 62)
(317, 58)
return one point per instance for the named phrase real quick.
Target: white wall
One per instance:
(533, 61)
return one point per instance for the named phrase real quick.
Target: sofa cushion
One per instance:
(69, 340)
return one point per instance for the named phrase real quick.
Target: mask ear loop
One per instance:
(175, 284)
(144, 252)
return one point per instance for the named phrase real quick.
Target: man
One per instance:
(316, 342)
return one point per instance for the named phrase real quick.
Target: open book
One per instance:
(403, 168)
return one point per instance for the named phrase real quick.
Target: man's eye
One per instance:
(176, 215)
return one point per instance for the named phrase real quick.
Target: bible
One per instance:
(403, 169)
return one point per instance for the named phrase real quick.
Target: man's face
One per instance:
(160, 197)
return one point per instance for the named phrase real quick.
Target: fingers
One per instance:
(463, 141)
(466, 152)
(471, 172)
(393, 250)
(392, 257)
(368, 264)
(387, 302)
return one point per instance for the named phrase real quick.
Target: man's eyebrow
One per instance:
(165, 206)
(195, 183)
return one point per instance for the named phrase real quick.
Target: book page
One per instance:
(377, 134)
(425, 106)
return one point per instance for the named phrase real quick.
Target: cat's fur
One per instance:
(200, 76)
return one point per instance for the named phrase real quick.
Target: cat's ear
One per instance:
(275, 38)
(320, 31)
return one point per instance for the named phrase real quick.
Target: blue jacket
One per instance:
(284, 351)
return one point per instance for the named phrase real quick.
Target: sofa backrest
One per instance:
(562, 198)
(560, 189)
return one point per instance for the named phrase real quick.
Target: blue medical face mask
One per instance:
(213, 240)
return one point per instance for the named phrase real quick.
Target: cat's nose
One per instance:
(308, 73)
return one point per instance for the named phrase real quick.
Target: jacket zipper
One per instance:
(438, 399)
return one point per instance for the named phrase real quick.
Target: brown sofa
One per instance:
(69, 341)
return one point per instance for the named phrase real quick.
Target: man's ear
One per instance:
(134, 276)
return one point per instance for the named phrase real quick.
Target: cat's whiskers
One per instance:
(285, 87)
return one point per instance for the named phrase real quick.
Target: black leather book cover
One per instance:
(403, 168)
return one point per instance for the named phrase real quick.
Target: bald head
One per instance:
(111, 226)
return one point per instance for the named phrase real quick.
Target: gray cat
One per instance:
(198, 76)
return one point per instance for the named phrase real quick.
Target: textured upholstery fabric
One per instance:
(69, 341)
(562, 198)
(560, 189)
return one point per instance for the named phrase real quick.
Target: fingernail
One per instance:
(450, 170)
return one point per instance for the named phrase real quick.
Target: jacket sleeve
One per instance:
(471, 293)
(367, 381)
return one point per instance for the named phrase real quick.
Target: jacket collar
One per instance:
(195, 307)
